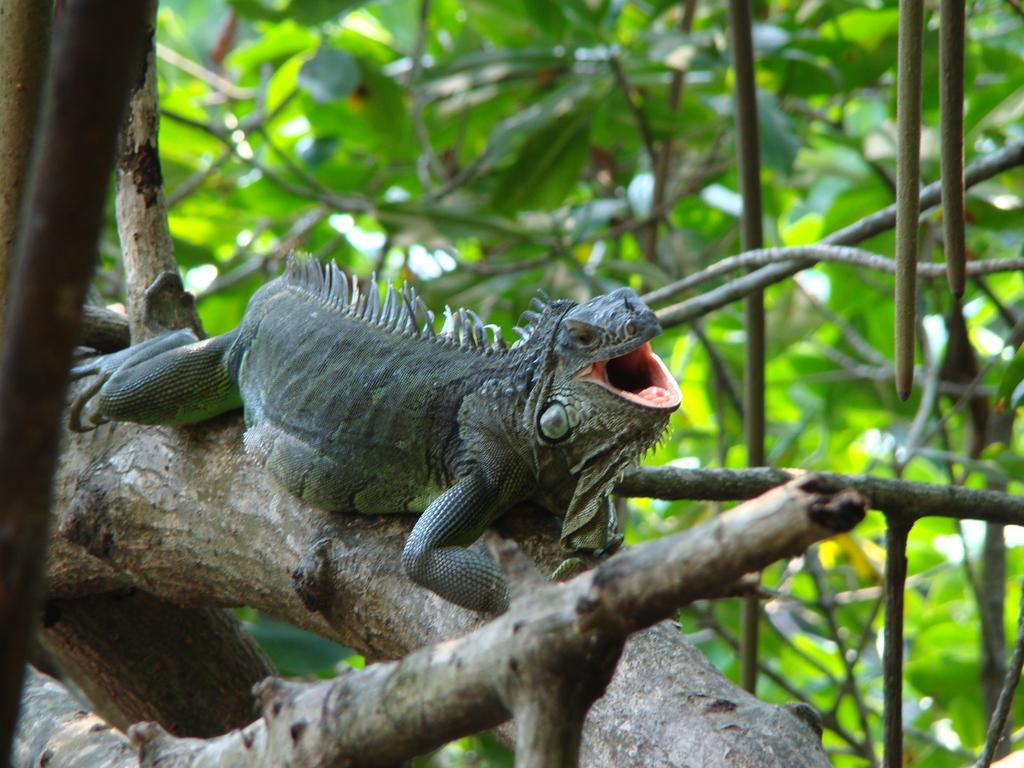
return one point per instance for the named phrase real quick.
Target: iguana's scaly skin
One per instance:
(358, 407)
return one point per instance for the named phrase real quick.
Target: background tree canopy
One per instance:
(486, 149)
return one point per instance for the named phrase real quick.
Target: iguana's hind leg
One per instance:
(435, 554)
(171, 379)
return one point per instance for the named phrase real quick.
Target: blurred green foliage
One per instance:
(509, 156)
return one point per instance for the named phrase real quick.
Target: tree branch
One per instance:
(24, 44)
(388, 712)
(898, 499)
(146, 247)
(1001, 160)
(246, 541)
(54, 729)
(190, 669)
(998, 723)
(840, 254)
(94, 52)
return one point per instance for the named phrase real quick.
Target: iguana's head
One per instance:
(602, 399)
(599, 365)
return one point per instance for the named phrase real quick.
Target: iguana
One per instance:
(356, 405)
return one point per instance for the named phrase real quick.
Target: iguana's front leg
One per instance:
(435, 554)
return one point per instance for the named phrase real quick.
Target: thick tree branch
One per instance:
(190, 669)
(24, 44)
(103, 329)
(559, 632)
(54, 730)
(228, 535)
(94, 50)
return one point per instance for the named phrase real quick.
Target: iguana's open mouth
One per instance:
(638, 376)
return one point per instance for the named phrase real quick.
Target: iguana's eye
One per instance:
(630, 328)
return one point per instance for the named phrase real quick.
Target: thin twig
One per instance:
(1013, 671)
(839, 254)
(190, 185)
(638, 117)
(429, 161)
(664, 160)
(719, 368)
(892, 654)
(848, 332)
(212, 79)
(827, 604)
(1010, 156)
(338, 202)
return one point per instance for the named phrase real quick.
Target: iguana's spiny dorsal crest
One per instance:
(402, 311)
(355, 404)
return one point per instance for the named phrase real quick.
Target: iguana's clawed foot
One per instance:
(614, 542)
(85, 413)
(568, 568)
(572, 566)
(102, 367)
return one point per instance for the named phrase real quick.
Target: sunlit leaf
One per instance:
(330, 75)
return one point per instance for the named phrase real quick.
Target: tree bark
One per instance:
(24, 44)
(190, 669)
(565, 634)
(900, 500)
(156, 300)
(94, 49)
(55, 730)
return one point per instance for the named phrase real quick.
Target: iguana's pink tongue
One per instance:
(657, 396)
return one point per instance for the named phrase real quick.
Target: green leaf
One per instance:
(549, 17)
(330, 75)
(546, 168)
(296, 652)
(867, 28)
(310, 12)
(318, 11)
(260, 9)
(318, 150)
(779, 144)
(1011, 386)
(279, 42)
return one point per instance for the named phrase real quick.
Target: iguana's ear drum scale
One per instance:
(356, 405)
